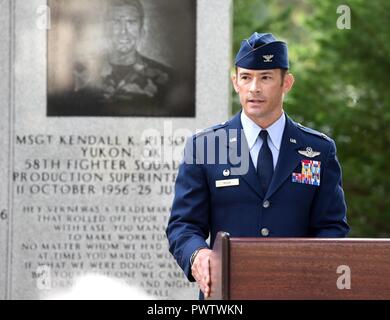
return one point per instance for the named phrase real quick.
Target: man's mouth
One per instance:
(256, 100)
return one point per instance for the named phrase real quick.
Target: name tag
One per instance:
(227, 183)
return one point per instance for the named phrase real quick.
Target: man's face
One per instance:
(125, 27)
(261, 92)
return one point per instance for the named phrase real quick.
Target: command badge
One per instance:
(309, 152)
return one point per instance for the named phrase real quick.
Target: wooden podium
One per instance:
(299, 268)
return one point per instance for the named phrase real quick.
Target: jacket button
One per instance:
(266, 204)
(264, 232)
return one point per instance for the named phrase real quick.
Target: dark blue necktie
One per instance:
(265, 164)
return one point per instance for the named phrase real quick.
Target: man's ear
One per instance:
(234, 81)
(288, 82)
(141, 34)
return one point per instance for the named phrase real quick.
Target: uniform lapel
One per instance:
(288, 157)
(239, 155)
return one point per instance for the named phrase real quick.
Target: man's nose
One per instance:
(255, 86)
(124, 27)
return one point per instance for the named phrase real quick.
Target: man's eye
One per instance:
(244, 77)
(131, 22)
(266, 77)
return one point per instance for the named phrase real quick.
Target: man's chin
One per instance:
(255, 111)
(124, 50)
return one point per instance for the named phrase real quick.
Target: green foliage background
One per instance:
(342, 88)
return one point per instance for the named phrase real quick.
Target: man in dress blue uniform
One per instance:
(280, 179)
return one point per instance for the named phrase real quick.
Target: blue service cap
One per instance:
(262, 51)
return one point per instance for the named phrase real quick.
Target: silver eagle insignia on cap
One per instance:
(268, 57)
(309, 152)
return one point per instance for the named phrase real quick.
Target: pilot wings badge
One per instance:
(309, 152)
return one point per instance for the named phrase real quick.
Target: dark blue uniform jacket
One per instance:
(288, 209)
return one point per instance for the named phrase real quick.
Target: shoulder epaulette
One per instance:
(212, 129)
(314, 132)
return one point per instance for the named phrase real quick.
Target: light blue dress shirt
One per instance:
(275, 134)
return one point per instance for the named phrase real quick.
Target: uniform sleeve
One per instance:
(328, 215)
(188, 226)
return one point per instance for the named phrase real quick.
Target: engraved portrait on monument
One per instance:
(121, 58)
